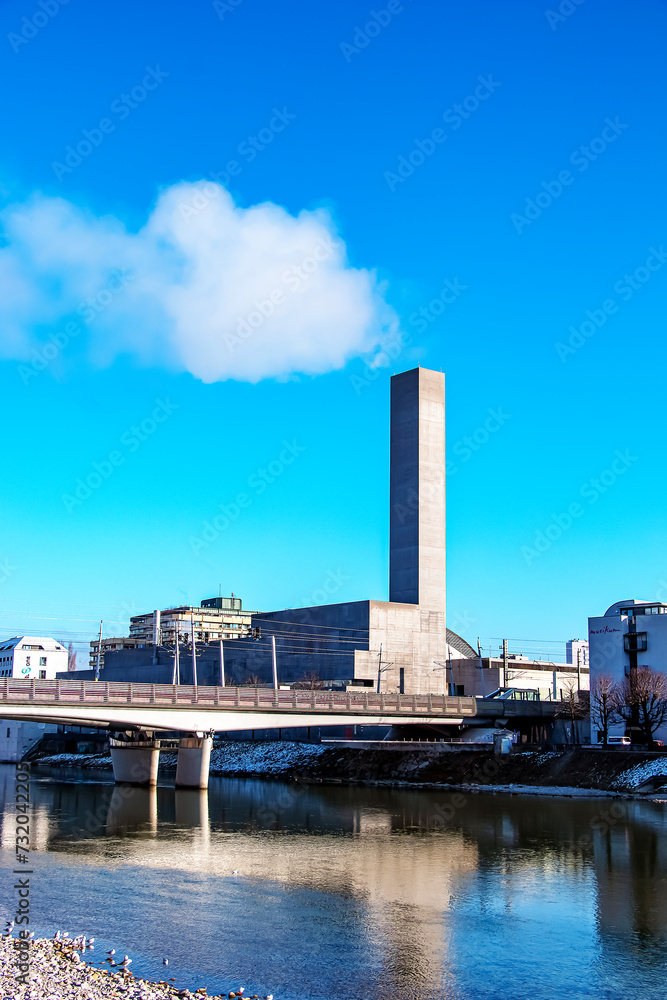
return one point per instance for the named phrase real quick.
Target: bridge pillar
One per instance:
(192, 764)
(135, 760)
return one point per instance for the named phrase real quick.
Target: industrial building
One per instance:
(401, 644)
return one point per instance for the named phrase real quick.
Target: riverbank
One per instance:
(61, 971)
(572, 771)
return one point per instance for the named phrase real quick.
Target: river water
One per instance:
(312, 892)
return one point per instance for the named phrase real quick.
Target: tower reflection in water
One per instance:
(415, 892)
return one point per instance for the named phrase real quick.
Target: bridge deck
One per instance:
(63, 693)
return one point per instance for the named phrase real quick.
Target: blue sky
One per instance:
(540, 199)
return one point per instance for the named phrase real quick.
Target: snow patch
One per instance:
(640, 773)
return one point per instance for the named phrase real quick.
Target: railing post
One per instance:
(82, 696)
(414, 704)
(295, 699)
(348, 700)
(217, 696)
(106, 690)
(237, 701)
(365, 701)
(256, 697)
(129, 692)
(152, 694)
(382, 702)
(58, 690)
(32, 689)
(430, 703)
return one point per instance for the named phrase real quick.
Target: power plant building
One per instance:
(403, 643)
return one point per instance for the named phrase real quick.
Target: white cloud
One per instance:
(211, 288)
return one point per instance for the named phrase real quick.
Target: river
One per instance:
(313, 892)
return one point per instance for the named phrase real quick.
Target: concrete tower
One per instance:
(417, 490)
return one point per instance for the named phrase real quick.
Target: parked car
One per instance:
(615, 741)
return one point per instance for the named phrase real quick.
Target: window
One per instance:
(9, 732)
(635, 642)
(42, 661)
(42, 674)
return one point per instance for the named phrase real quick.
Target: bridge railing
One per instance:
(68, 692)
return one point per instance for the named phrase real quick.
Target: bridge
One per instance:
(143, 709)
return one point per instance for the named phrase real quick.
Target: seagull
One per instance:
(91, 942)
(126, 961)
(165, 961)
(235, 872)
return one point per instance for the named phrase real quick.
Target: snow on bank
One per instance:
(640, 773)
(231, 758)
(264, 758)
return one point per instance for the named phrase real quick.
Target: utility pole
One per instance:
(222, 664)
(99, 655)
(381, 669)
(275, 663)
(194, 653)
(578, 671)
(505, 645)
(176, 679)
(481, 666)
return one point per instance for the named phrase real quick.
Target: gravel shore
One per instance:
(58, 972)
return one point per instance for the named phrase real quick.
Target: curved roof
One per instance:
(463, 647)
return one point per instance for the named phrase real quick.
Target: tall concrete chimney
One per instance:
(417, 489)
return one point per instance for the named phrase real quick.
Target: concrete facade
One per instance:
(417, 490)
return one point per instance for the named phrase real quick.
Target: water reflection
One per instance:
(351, 891)
(131, 810)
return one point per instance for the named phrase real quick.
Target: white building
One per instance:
(576, 653)
(32, 656)
(27, 656)
(16, 738)
(216, 618)
(629, 633)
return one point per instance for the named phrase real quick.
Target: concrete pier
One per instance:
(194, 758)
(135, 761)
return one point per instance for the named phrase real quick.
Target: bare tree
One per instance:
(605, 698)
(310, 681)
(573, 707)
(252, 680)
(643, 696)
(71, 657)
